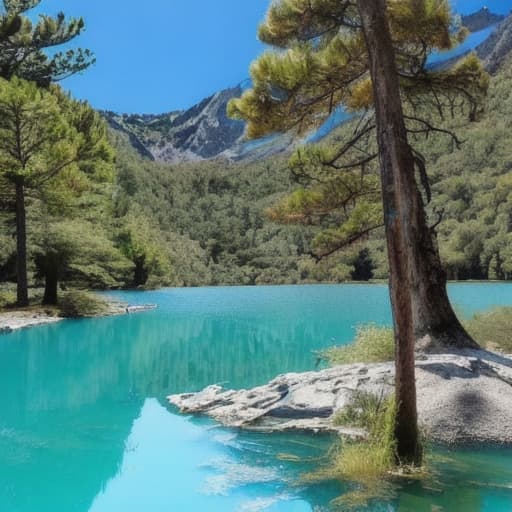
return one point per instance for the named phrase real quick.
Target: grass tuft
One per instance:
(492, 329)
(373, 344)
(7, 298)
(362, 412)
(370, 463)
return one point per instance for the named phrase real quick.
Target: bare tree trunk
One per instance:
(400, 200)
(21, 245)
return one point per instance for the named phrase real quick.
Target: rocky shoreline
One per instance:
(13, 320)
(464, 397)
(20, 319)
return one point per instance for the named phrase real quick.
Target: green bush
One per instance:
(76, 304)
(373, 344)
(7, 298)
(492, 329)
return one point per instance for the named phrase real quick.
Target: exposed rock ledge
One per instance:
(463, 397)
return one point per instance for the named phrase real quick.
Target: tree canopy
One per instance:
(49, 143)
(24, 44)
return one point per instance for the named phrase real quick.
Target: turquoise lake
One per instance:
(84, 425)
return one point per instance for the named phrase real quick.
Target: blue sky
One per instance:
(161, 55)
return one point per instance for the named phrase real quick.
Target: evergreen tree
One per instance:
(326, 64)
(78, 252)
(143, 245)
(371, 56)
(23, 44)
(45, 137)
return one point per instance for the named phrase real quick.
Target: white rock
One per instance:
(463, 397)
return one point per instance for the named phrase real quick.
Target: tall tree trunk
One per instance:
(21, 245)
(400, 201)
(50, 285)
(436, 325)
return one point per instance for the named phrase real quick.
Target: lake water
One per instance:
(84, 425)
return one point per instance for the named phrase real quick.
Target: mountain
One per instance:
(469, 6)
(497, 47)
(204, 131)
(481, 19)
(201, 132)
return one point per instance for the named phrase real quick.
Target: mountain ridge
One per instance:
(496, 48)
(481, 19)
(204, 131)
(201, 132)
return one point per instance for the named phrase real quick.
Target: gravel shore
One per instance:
(19, 319)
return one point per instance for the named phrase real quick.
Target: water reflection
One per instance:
(72, 391)
(84, 425)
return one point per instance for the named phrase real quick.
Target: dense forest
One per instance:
(150, 224)
(223, 207)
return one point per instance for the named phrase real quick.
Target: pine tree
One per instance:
(77, 251)
(371, 57)
(23, 44)
(45, 137)
(322, 64)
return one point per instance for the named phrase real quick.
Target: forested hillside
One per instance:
(207, 222)
(221, 205)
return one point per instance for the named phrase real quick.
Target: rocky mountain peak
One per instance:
(481, 19)
(203, 131)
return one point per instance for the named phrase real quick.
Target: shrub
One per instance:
(373, 344)
(76, 304)
(7, 298)
(492, 329)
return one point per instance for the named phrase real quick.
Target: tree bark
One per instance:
(51, 282)
(400, 201)
(436, 325)
(21, 245)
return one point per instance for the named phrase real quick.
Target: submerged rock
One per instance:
(463, 397)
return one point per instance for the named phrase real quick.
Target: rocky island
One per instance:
(464, 397)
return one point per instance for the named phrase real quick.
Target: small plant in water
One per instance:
(369, 464)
